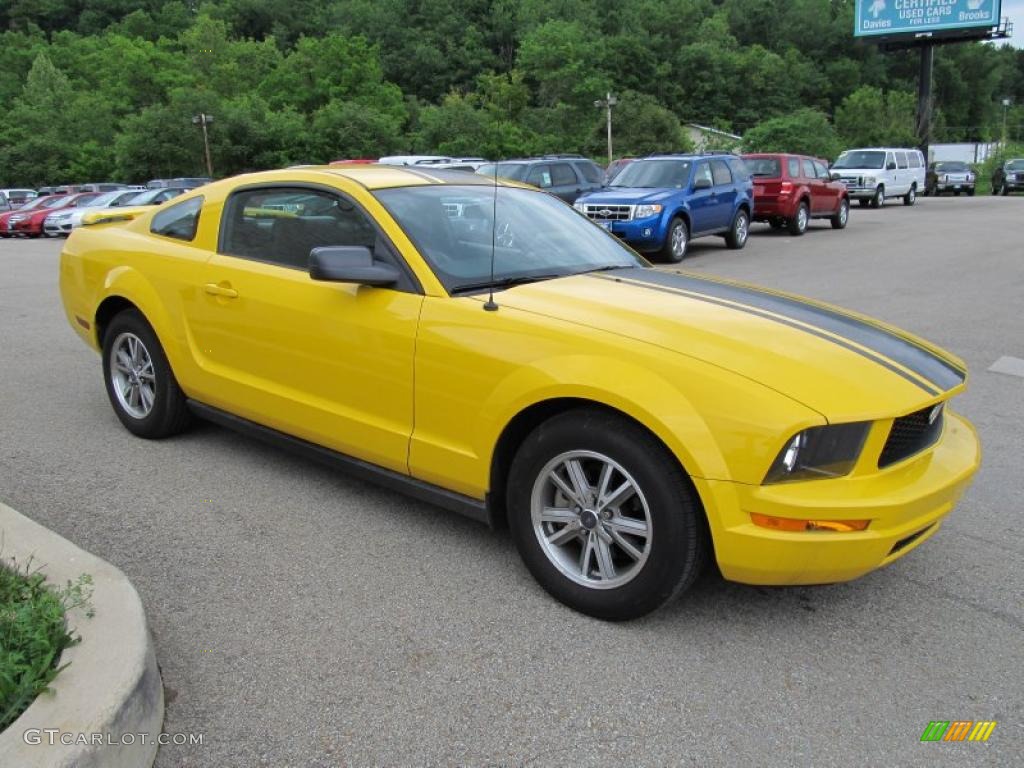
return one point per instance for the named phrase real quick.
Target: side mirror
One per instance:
(350, 264)
(702, 183)
(891, 166)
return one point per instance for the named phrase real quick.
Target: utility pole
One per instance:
(924, 99)
(607, 103)
(202, 120)
(1006, 108)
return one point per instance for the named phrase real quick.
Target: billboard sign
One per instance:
(915, 17)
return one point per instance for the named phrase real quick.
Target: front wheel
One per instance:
(879, 198)
(842, 216)
(676, 242)
(911, 197)
(603, 515)
(737, 235)
(140, 384)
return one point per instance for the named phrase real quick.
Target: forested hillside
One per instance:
(99, 89)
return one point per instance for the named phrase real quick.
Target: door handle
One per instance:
(219, 289)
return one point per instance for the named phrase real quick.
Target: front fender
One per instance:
(128, 283)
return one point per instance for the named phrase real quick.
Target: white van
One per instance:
(875, 174)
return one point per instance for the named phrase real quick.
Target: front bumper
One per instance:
(643, 234)
(905, 504)
(953, 186)
(58, 229)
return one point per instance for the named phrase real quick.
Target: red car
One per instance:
(32, 205)
(28, 221)
(790, 190)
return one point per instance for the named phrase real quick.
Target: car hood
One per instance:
(843, 365)
(629, 196)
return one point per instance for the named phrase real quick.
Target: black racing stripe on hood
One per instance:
(942, 373)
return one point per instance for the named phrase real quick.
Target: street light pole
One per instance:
(202, 120)
(607, 103)
(1006, 107)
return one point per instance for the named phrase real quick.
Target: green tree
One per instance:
(805, 131)
(868, 117)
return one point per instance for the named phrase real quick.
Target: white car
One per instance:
(61, 223)
(875, 174)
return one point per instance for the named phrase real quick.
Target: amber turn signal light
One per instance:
(790, 524)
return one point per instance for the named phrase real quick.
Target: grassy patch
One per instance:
(33, 633)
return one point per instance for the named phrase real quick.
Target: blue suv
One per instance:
(660, 203)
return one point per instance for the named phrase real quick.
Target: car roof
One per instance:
(374, 177)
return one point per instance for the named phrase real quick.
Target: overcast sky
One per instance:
(1014, 9)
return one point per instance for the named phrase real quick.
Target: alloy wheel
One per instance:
(591, 519)
(132, 375)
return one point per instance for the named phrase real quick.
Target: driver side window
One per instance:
(702, 171)
(281, 225)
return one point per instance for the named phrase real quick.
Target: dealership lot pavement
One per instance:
(305, 619)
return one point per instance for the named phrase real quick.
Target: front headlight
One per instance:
(643, 211)
(579, 207)
(819, 452)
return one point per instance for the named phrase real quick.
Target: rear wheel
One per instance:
(140, 384)
(842, 216)
(603, 515)
(911, 197)
(737, 236)
(676, 242)
(798, 224)
(879, 197)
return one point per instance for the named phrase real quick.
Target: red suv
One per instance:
(28, 221)
(790, 190)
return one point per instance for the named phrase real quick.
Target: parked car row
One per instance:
(59, 214)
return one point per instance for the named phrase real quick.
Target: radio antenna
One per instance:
(490, 305)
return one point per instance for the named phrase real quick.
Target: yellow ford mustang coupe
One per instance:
(626, 423)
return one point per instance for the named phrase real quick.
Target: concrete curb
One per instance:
(112, 687)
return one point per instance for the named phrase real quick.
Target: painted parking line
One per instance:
(1011, 366)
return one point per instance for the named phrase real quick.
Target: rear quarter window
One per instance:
(179, 221)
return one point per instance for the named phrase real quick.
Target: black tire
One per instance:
(970, 192)
(956, 193)
(911, 197)
(842, 216)
(739, 230)
(798, 224)
(168, 413)
(677, 549)
(879, 197)
(672, 254)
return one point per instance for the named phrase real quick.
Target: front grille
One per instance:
(912, 434)
(602, 212)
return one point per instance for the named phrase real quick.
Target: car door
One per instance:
(703, 202)
(565, 182)
(725, 192)
(829, 192)
(328, 362)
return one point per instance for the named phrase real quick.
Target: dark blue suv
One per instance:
(660, 203)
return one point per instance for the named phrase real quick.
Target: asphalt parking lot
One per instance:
(305, 619)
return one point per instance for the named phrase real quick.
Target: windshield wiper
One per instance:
(504, 282)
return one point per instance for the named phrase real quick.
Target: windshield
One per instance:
(1015, 165)
(952, 166)
(58, 202)
(105, 199)
(535, 236)
(861, 158)
(514, 171)
(651, 174)
(763, 166)
(148, 197)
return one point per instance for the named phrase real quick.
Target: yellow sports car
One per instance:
(489, 349)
